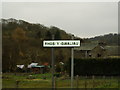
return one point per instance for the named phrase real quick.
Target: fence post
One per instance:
(77, 81)
(85, 81)
(111, 81)
(54, 82)
(118, 83)
(93, 77)
(17, 83)
(104, 79)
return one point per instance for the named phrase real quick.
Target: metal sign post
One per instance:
(72, 65)
(62, 43)
(53, 70)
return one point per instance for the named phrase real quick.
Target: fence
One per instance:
(90, 82)
(44, 81)
(79, 82)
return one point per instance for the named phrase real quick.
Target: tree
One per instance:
(38, 35)
(19, 35)
(56, 32)
(48, 35)
(57, 35)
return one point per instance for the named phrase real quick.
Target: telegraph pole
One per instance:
(72, 64)
(53, 69)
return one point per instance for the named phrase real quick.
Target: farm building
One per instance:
(90, 50)
(35, 68)
(113, 51)
(96, 50)
(20, 68)
(38, 69)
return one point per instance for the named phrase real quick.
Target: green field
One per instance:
(25, 80)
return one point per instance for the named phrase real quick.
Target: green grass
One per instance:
(44, 81)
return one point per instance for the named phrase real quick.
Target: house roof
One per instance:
(113, 50)
(87, 46)
(20, 66)
(39, 66)
(46, 64)
(32, 65)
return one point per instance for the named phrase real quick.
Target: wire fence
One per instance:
(45, 81)
(90, 82)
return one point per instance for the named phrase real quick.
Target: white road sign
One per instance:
(61, 43)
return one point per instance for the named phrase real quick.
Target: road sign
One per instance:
(61, 43)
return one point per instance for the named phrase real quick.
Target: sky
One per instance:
(83, 19)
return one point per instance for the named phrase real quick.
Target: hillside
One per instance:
(109, 39)
(22, 43)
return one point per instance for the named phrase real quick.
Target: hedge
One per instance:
(107, 67)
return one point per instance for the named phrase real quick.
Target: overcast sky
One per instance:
(84, 19)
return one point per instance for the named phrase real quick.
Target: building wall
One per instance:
(36, 70)
(79, 54)
(98, 52)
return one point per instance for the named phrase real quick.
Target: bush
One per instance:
(57, 74)
(31, 77)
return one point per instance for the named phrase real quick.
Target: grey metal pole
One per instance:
(72, 64)
(53, 64)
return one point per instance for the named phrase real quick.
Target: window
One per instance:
(98, 55)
